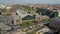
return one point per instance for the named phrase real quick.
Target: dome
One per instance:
(55, 23)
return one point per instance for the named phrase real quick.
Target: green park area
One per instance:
(28, 22)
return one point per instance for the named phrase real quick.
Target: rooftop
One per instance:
(22, 13)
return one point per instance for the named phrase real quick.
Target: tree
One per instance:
(0, 13)
(4, 10)
(23, 24)
(32, 32)
(34, 21)
(0, 30)
(28, 22)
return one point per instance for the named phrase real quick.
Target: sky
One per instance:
(29, 1)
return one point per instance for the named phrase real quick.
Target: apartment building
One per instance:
(17, 20)
(41, 17)
(6, 21)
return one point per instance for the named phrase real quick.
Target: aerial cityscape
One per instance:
(29, 18)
